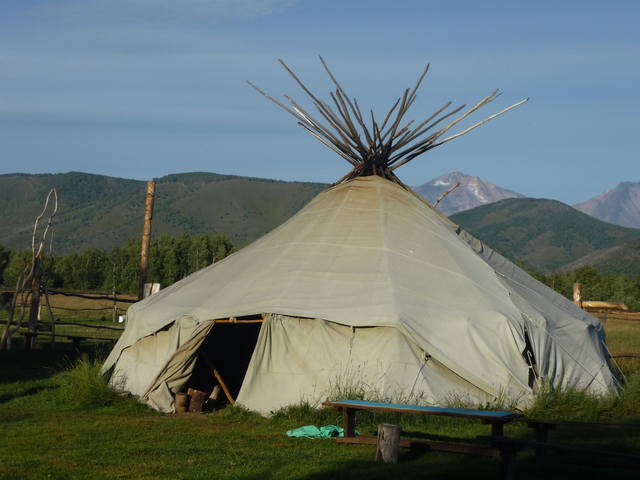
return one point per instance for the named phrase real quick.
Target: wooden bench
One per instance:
(543, 427)
(497, 419)
(626, 458)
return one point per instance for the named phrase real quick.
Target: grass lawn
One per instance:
(58, 422)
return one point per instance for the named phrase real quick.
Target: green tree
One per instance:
(221, 247)
(5, 255)
(18, 261)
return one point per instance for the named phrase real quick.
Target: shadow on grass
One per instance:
(413, 465)
(25, 393)
(21, 365)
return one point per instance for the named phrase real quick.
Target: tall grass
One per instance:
(83, 386)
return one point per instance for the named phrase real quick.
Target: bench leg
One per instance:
(508, 460)
(542, 435)
(29, 340)
(75, 345)
(349, 422)
(497, 429)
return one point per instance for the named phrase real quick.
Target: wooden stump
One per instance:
(182, 402)
(197, 400)
(388, 444)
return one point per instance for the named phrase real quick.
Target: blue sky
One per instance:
(143, 88)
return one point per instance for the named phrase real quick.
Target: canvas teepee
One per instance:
(367, 287)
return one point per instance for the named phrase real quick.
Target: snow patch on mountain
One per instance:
(472, 192)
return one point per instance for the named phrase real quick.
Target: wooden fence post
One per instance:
(577, 294)
(146, 236)
(34, 309)
(388, 444)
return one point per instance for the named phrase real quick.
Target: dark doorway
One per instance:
(227, 350)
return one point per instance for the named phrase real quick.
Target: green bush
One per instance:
(83, 386)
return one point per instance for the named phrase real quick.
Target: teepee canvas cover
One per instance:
(367, 281)
(366, 287)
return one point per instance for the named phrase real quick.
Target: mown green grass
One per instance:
(59, 420)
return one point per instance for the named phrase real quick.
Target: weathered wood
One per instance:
(542, 436)
(532, 422)
(444, 194)
(508, 467)
(373, 154)
(182, 402)
(586, 304)
(621, 316)
(577, 294)
(349, 422)
(146, 236)
(625, 355)
(521, 443)
(226, 391)
(235, 320)
(29, 340)
(426, 410)
(429, 445)
(371, 440)
(196, 402)
(34, 308)
(497, 428)
(388, 445)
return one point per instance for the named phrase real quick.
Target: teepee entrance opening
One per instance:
(222, 361)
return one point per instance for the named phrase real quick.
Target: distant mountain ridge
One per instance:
(102, 212)
(621, 259)
(472, 192)
(620, 205)
(542, 234)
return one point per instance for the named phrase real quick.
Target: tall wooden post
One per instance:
(146, 236)
(577, 294)
(114, 316)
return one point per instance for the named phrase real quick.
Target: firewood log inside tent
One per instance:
(366, 285)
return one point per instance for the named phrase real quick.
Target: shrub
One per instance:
(83, 386)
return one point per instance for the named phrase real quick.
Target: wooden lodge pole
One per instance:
(146, 236)
(577, 294)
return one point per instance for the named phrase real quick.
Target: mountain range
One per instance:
(102, 212)
(620, 205)
(472, 192)
(542, 234)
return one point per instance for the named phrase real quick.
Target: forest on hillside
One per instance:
(171, 258)
(596, 286)
(174, 257)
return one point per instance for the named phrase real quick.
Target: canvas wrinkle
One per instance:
(559, 344)
(387, 265)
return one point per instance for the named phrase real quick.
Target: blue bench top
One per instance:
(457, 412)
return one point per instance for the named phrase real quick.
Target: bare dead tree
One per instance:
(28, 284)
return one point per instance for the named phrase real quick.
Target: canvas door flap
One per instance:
(177, 370)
